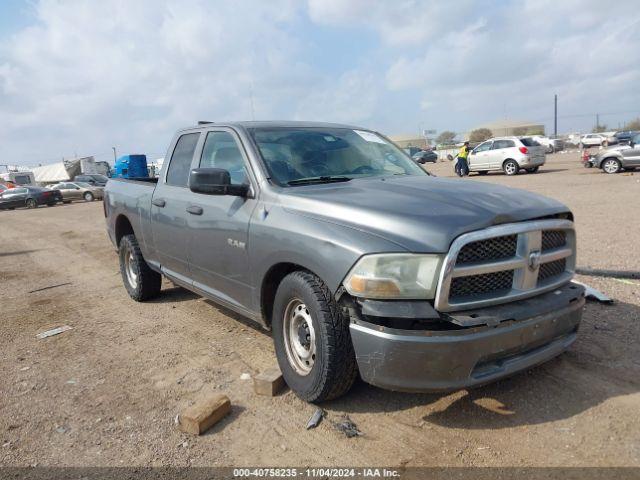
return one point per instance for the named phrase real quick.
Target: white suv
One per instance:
(509, 154)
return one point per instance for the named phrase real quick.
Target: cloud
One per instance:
(84, 76)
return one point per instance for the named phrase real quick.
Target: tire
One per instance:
(483, 172)
(51, 204)
(66, 202)
(511, 167)
(31, 203)
(140, 281)
(611, 165)
(533, 170)
(326, 368)
(88, 197)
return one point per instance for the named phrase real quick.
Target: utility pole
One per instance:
(597, 122)
(555, 116)
(115, 157)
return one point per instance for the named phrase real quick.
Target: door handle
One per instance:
(159, 202)
(194, 210)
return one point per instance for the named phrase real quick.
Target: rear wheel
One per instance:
(141, 282)
(611, 165)
(88, 197)
(511, 167)
(533, 169)
(312, 339)
(31, 203)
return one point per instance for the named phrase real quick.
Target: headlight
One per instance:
(395, 276)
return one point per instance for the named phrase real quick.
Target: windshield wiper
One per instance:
(323, 179)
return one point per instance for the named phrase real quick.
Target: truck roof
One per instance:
(272, 124)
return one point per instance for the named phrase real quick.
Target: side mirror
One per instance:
(215, 181)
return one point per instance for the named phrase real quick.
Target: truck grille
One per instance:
(491, 249)
(506, 263)
(478, 284)
(553, 239)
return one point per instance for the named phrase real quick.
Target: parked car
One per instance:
(356, 258)
(615, 159)
(592, 140)
(29, 197)
(552, 144)
(597, 139)
(411, 151)
(79, 191)
(625, 136)
(94, 179)
(509, 154)
(3, 187)
(424, 156)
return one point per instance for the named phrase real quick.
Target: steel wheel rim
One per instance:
(31, 203)
(510, 168)
(132, 276)
(88, 197)
(611, 166)
(299, 337)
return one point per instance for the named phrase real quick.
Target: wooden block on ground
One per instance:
(200, 417)
(269, 382)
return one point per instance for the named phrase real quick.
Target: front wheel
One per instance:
(611, 165)
(88, 197)
(312, 339)
(511, 167)
(31, 203)
(141, 282)
(533, 169)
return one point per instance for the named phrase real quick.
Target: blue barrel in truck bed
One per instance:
(131, 166)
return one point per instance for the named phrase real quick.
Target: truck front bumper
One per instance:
(527, 333)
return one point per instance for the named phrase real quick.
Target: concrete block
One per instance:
(269, 382)
(200, 417)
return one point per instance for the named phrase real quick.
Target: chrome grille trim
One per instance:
(525, 279)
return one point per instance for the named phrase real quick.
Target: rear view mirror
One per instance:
(215, 181)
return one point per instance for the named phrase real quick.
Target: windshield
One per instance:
(293, 155)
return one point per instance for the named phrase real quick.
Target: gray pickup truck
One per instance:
(354, 257)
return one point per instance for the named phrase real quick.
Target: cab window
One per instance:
(483, 147)
(180, 164)
(503, 144)
(221, 151)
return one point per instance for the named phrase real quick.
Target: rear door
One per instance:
(219, 224)
(479, 156)
(169, 203)
(500, 151)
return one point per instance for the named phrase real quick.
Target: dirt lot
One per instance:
(107, 392)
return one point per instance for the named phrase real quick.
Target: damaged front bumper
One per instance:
(514, 337)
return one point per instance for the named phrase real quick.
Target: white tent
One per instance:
(51, 173)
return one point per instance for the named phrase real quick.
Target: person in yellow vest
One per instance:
(462, 165)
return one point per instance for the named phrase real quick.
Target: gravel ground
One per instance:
(106, 392)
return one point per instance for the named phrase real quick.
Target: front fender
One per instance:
(326, 249)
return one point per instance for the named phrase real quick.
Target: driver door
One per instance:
(479, 156)
(218, 225)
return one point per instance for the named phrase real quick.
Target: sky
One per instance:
(78, 77)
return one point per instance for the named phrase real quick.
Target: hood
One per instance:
(420, 214)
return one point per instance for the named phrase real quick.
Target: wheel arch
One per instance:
(270, 283)
(122, 227)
